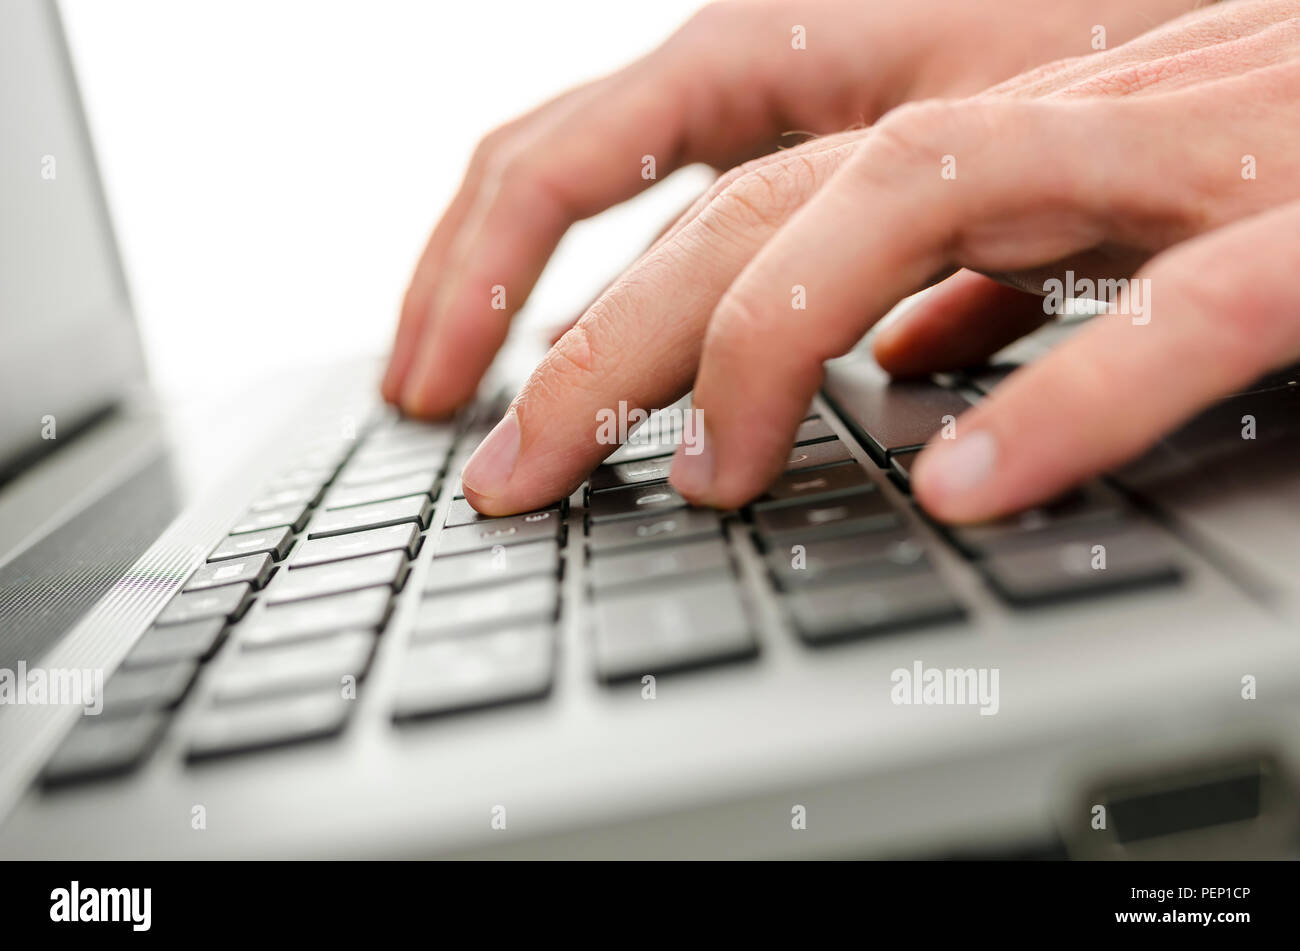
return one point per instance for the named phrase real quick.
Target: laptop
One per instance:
(279, 630)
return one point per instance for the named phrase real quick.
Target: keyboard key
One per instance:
(1089, 559)
(197, 640)
(481, 670)
(492, 566)
(900, 468)
(461, 512)
(356, 475)
(518, 602)
(632, 502)
(676, 526)
(296, 495)
(262, 724)
(294, 668)
(813, 430)
(856, 610)
(388, 569)
(649, 565)
(129, 692)
(278, 624)
(512, 530)
(293, 516)
(275, 541)
(227, 602)
(823, 483)
(862, 512)
(658, 436)
(97, 748)
(318, 551)
(255, 569)
(413, 508)
(431, 453)
(651, 633)
(1092, 503)
(415, 483)
(309, 477)
(830, 453)
(644, 472)
(889, 415)
(848, 558)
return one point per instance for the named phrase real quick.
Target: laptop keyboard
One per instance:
(269, 640)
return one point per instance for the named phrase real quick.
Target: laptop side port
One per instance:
(1240, 806)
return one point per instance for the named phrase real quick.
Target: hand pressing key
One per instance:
(1123, 165)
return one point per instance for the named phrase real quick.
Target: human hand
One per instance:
(726, 87)
(1130, 161)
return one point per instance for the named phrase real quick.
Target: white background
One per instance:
(274, 167)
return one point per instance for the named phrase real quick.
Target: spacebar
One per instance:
(888, 415)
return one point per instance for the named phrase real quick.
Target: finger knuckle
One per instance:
(765, 195)
(922, 131)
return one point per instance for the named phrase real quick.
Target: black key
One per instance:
(293, 516)
(413, 508)
(813, 430)
(655, 438)
(97, 748)
(632, 502)
(197, 640)
(889, 415)
(311, 477)
(356, 475)
(262, 724)
(276, 541)
(900, 468)
(382, 453)
(492, 566)
(675, 526)
(856, 610)
(387, 569)
(407, 431)
(1091, 503)
(319, 551)
(228, 602)
(648, 565)
(461, 512)
(512, 530)
(862, 512)
(295, 668)
(294, 495)
(642, 472)
(849, 558)
(254, 569)
(1218, 430)
(518, 602)
(986, 378)
(830, 453)
(1090, 559)
(667, 630)
(413, 484)
(360, 610)
(129, 692)
(823, 483)
(481, 670)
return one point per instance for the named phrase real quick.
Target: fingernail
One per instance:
(489, 470)
(692, 473)
(951, 471)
